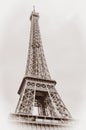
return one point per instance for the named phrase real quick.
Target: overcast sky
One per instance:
(63, 32)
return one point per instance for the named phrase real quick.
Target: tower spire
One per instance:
(33, 8)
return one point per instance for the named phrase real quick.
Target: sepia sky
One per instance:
(63, 32)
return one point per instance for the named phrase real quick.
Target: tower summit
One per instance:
(39, 102)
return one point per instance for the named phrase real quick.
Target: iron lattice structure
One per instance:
(38, 96)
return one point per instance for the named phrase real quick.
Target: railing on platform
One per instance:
(40, 120)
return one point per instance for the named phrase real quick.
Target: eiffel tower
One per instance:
(39, 105)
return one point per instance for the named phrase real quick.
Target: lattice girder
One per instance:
(60, 106)
(36, 64)
(42, 94)
(26, 100)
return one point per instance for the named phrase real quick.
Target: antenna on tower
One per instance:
(33, 8)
